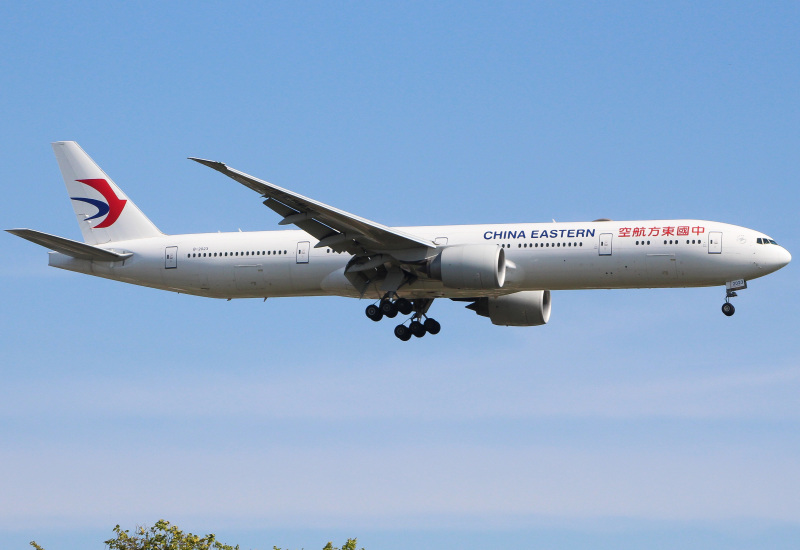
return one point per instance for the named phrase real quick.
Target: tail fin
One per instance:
(104, 212)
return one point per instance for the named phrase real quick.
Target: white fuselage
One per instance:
(541, 256)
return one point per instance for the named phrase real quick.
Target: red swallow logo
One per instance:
(113, 206)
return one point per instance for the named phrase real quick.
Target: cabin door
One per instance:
(171, 257)
(715, 242)
(605, 244)
(302, 252)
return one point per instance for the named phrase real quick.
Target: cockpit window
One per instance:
(772, 242)
(765, 240)
(759, 241)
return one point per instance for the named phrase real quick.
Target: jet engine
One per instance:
(527, 308)
(479, 267)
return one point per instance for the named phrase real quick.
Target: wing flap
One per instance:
(69, 247)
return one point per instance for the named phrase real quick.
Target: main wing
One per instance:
(334, 228)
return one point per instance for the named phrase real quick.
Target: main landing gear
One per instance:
(388, 307)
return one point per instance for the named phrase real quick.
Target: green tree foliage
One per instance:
(164, 536)
(349, 545)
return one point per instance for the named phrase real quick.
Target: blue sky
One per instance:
(635, 418)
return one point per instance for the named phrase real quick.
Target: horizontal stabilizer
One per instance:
(69, 247)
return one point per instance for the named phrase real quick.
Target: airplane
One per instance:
(505, 272)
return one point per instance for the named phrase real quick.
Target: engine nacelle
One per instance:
(477, 266)
(527, 308)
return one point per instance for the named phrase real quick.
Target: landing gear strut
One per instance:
(420, 324)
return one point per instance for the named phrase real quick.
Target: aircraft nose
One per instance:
(784, 257)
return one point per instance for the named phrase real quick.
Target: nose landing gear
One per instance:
(727, 307)
(730, 292)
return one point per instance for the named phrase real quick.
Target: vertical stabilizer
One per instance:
(104, 212)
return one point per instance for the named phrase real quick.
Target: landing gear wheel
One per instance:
(728, 309)
(432, 326)
(389, 309)
(374, 312)
(404, 306)
(417, 329)
(402, 332)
